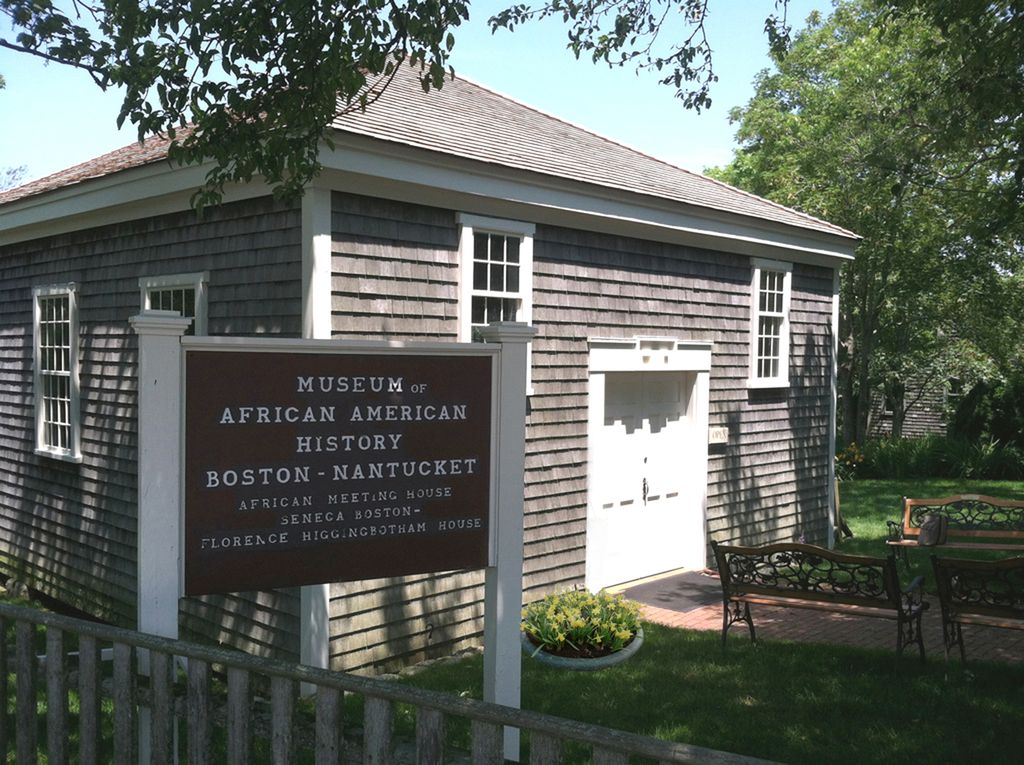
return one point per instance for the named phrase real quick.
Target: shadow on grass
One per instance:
(789, 702)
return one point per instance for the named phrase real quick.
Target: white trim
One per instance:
(73, 451)
(317, 320)
(197, 281)
(834, 370)
(469, 225)
(781, 380)
(378, 168)
(649, 355)
(316, 263)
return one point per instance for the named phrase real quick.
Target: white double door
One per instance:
(646, 484)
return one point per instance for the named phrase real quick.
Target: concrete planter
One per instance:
(582, 664)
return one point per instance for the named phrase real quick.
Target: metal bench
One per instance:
(805, 576)
(989, 593)
(974, 522)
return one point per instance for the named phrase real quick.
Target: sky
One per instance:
(53, 117)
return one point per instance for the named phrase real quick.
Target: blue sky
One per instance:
(52, 117)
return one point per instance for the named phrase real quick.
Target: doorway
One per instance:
(647, 463)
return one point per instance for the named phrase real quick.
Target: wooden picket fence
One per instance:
(141, 692)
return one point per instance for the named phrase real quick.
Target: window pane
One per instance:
(479, 310)
(497, 253)
(497, 283)
(511, 310)
(479, 276)
(512, 249)
(512, 278)
(480, 246)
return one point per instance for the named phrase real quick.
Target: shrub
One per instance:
(993, 410)
(577, 623)
(941, 457)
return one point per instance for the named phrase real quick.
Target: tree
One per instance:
(842, 130)
(633, 32)
(250, 85)
(254, 84)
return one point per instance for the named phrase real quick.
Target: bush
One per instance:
(941, 457)
(993, 411)
(577, 623)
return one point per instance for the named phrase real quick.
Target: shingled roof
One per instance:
(469, 121)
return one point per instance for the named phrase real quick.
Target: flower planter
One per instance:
(582, 664)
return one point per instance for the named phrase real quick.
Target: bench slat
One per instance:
(883, 612)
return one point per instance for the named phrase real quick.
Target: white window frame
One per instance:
(780, 380)
(477, 224)
(70, 450)
(194, 281)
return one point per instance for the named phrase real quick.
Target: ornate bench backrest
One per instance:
(806, 571)
(972, 514)
(994, 587)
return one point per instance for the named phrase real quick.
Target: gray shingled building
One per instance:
(682, 378)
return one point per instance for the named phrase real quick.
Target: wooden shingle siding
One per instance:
(395, 275)
(394, 270)
(69, 530)
(757, 492)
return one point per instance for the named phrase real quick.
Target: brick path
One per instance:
(983, 643)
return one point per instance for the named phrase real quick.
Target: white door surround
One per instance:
(647, 457)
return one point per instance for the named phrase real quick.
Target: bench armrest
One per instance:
(895, 530)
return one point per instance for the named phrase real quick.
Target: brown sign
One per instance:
(305, 467)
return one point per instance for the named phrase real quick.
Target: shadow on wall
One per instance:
(809, 414)
(768, 493)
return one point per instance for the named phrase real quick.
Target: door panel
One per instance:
(641, 510)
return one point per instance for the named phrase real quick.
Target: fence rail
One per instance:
(143, 707)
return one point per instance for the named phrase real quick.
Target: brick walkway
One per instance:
(983, 643)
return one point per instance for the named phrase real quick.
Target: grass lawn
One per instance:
(793, 702)
(867, 505)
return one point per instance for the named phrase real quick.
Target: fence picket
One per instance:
(161, 684)
(429, 735)
(124, 704)
(56, 699)
(239, 714)
(487, 745)
(545, 750)
(282, 709)
(88, 700)
(377, 731)
(199, 724)
(609, 757)
(25, 702)
(329, 742)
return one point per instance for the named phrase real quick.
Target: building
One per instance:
(682, 383)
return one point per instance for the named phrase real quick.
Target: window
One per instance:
(182, 293)
(496, 282)
(497, 271)
(55, 350)
(769, 324)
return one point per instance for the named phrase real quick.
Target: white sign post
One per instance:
(158, 584)
(504, 578)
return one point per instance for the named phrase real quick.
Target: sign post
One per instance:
(503, 583)
(158, 584)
